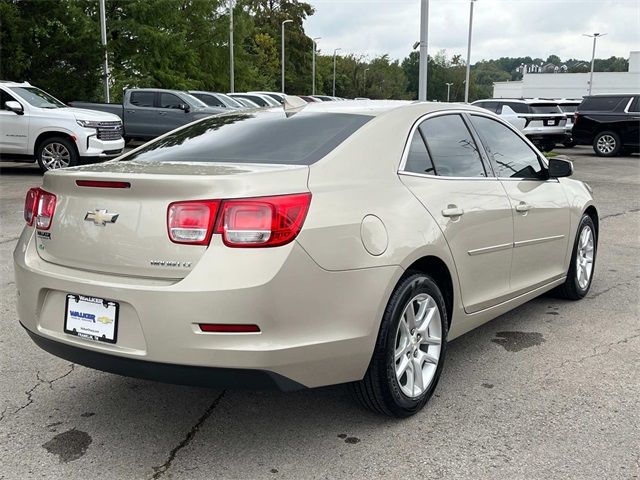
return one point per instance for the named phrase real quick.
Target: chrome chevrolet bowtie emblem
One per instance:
(101, 217)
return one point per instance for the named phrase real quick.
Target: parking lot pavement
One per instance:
(550, 390)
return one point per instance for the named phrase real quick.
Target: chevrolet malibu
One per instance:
(337, 242)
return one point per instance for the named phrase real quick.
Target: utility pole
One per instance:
(593, 57)
(448, 90)
(424, 37)
(103, 34)
(313, 66)
(468, 74)
(282, 50)
(334, 70)
(365, 82)
(231, 65)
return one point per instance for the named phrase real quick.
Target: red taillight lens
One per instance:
(31, 205)
(262, 221)
(192, 222)
(39, 206)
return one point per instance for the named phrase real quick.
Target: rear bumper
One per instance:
(164, 372)
(318, 327)
(547, 137)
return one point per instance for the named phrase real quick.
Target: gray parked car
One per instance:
(219, 100)
(150, 112)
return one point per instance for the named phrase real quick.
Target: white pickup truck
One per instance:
(34, 126)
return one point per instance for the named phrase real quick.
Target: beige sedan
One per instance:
(325, 243)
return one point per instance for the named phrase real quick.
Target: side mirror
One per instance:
(560, 167)
(14, 107)
(185, 107)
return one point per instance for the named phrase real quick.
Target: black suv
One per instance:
(611, 123)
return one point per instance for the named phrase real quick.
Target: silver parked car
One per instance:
(315, 244)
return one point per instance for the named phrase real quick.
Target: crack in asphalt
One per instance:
(41, 381)
(607, 290)
(162, 469)
(3, 412)
(619, 214)
(9, 240)
(596, 353)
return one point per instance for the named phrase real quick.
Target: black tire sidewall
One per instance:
(73, 152)
(581, 292)
(412, 285)
(614, 152)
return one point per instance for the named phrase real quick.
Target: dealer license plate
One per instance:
(91, 318)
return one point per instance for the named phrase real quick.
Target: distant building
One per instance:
(540, 81)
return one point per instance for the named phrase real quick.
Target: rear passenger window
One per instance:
(418, 160)
(509, 154)
(451, 147)
(601, 104)
(634, 106)
(142, 99)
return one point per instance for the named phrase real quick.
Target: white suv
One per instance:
(542, 121)
(34, 126)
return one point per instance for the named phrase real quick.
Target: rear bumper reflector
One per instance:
(102, 184)
(229, 328)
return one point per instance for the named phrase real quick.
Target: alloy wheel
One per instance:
(606, 144)
(418, 345)
(584, 257)
(55, 155)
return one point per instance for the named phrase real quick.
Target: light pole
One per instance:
(103, 34)
(448, 90)
(313, 65)
(593, 56)
(231, 66)
(424, 37)
(466, 83)
(334, 70)
(282, 50)
(365, 81)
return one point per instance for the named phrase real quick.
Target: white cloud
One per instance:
(501, 28)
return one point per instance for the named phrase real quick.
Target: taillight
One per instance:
(39, 206)
(262, 221)
(192, 222)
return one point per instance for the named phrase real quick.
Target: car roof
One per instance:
(374, 108)
(613, 95)
(527, 101)
(9, 83)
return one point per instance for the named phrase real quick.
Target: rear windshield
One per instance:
(568, 108)
(256, 137)
(545, 108)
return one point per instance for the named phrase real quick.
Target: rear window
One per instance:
(602, 104)
(568, 108)
(262, 137)
(545, 108)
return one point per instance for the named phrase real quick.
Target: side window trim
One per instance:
(426, 145)
(416, 127)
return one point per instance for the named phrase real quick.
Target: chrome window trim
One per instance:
(626, 109)
(462, 112)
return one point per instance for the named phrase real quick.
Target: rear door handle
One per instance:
(452, 211)
(522, 207)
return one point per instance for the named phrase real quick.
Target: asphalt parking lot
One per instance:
(550, 390)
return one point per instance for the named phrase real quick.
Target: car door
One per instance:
(444, 170)
(14, 128)
(541, 216)
(140, 115)
(170, 112)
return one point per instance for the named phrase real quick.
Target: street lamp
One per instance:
(313, 66)
(282, 50)
(103, 34)
(466, 84)
(593, 56)
(448, 89)
(334, 70)
(423, 44)
(231, 66)
(365, 80)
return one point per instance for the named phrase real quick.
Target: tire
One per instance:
(574, 288)
(56, 152)
(570, 143)
(382, 390)
(547, 147)
(607, 144)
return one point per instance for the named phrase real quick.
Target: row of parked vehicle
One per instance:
(608, 122)
(36, 126)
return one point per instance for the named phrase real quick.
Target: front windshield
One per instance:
(230, 102)
(38, 98)
(195, 102)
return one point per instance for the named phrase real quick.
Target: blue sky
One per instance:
(501, 27)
